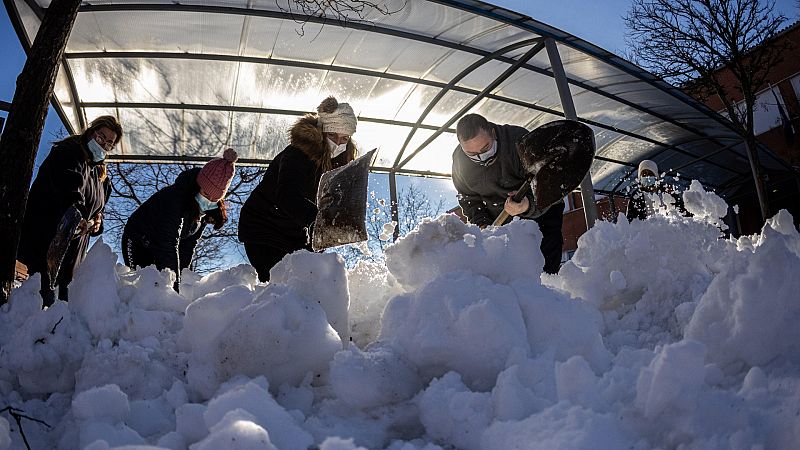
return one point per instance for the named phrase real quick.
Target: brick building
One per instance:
(780, 134)
(777, 125)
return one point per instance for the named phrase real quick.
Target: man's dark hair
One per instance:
(470, 125)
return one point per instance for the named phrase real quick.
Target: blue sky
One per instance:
(599, 22)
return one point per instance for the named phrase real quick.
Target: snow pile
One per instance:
(658, 334)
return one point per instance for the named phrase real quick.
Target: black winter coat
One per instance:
(482, 190)
(283, 206)
(66, 177)
(642, 204)
(169, 223)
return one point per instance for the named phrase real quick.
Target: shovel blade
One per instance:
(342, 205)
(65, 232)
(559, 155)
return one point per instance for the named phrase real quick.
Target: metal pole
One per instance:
(587, 189)
(393, 200)
(612, 205)
(758, 179)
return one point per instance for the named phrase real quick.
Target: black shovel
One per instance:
(342, 205)
(68, 229)
(556, 156)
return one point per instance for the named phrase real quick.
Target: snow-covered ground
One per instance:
(658, 334)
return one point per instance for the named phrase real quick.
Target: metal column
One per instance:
(393, 204)
(587, 189)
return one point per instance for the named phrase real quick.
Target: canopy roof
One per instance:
(187, 79)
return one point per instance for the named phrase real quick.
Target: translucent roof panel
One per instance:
(187, 78)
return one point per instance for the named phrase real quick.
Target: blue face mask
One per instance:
(205, 204)
(98, 152)
(648, 181)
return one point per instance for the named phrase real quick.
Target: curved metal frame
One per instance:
(476, 7)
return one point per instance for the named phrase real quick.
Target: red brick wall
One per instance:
(575, 220)
(780, 77)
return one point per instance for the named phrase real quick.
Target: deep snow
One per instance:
(657, 334)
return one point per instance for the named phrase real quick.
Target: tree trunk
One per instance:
(758, 177)
(23, 129)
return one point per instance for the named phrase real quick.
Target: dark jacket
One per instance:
(482, 190)
(169, 223)
(282, 208)
(641, 205)
(66, 177)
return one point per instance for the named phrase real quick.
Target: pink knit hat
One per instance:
(215, 177)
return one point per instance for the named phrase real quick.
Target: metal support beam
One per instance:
(393, 205)
(755, 167)
(492, 86)
(355, 71)
(587, 190)
(471, 68)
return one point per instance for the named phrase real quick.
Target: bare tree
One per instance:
(23, 128)
(688, 42)
(339, 10)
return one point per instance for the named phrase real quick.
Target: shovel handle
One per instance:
(518, 196)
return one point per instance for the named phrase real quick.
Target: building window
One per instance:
(796, 86)
(766, 113)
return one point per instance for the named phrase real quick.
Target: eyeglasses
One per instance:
(104, 141)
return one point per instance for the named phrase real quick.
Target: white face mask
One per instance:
(336, 150)
(485, 157)
(98, 152)
(205, 204)
(648, 181)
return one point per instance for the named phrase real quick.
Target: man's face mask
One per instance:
(336, 150)
(205, 204)
(485, 157)
(98, 152)
(648, 181)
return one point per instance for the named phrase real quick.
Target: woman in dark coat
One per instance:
(277, 217)
(165, 229)
(72, 178)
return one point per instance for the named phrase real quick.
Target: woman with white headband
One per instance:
(277, 217)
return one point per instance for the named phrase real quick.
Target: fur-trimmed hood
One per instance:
(306, 135)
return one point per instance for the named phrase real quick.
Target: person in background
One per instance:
(73, 177)
(164, 230)
(278, 216)
(649, 193)
(487, 172)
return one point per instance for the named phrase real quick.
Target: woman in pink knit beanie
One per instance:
(165, 229)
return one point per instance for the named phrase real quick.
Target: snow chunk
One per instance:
(705, 204)
(321, 278)
(375, 377)
(103, 404)
(93, 292)
(749, 313)
(434, 328)
(438, 246)
(452, 413)
(671, 383)
(262, 410)
(5, 434)
(237, 430)
(47, 350)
